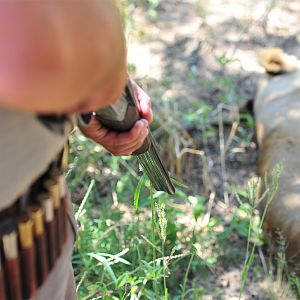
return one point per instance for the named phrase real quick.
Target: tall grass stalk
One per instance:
(162, 220)
(86, 196)
(164, 272)
(155, 287)
(253, 192)
(186, 276)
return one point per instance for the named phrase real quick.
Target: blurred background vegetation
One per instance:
(201, 74)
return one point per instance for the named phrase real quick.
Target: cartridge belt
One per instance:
(9, 212)
(33, 232)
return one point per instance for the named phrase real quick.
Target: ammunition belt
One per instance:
(33, 232)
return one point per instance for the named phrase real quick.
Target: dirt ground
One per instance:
(184, 40)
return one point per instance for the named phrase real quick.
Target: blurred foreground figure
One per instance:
(57, 58)
(277, 113)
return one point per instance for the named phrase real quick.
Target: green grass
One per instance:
(145, 251)
(123, 250)
(119, 250)
(136, 243)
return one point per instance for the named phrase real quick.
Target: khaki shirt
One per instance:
(27, 145)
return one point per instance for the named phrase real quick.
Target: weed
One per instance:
(254, 189)
(122, 252)
(184, 293)
(127, 6)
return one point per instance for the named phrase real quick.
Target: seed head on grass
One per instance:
(162, 220)
(254, 191)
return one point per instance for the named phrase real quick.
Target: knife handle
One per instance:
(122, 115)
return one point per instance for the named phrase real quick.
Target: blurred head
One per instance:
(112, 70)
(65, 56)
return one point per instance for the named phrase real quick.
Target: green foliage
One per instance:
(134, 243)
(223, 59)
(254, 190)
(127, 7)
(113, 256)
(122, 252)
(197, 113)
(198, 205)
(295, 281)
(248, 119)
(200, 7)
(138, 192)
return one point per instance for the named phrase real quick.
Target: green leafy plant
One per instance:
(255, 198)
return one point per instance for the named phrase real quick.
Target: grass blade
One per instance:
(176, 182)
(106, 266)
(80, 209)
(138, 192)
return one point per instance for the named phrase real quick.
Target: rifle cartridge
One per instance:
(27, 255)
(63, 210)
(40, 242)
(48, 209)
(54, 191)
(12, 264)
(64, 158)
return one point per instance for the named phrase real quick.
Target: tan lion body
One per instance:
(277, 113)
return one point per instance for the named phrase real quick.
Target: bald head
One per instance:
(55, 54)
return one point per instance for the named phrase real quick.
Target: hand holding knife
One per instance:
(121, 117)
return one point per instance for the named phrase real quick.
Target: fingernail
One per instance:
(145, 122)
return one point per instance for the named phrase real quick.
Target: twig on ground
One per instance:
(207, 183)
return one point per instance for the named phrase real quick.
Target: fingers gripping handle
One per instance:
(122, 116)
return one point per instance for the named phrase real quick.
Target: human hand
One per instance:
(125, 143)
